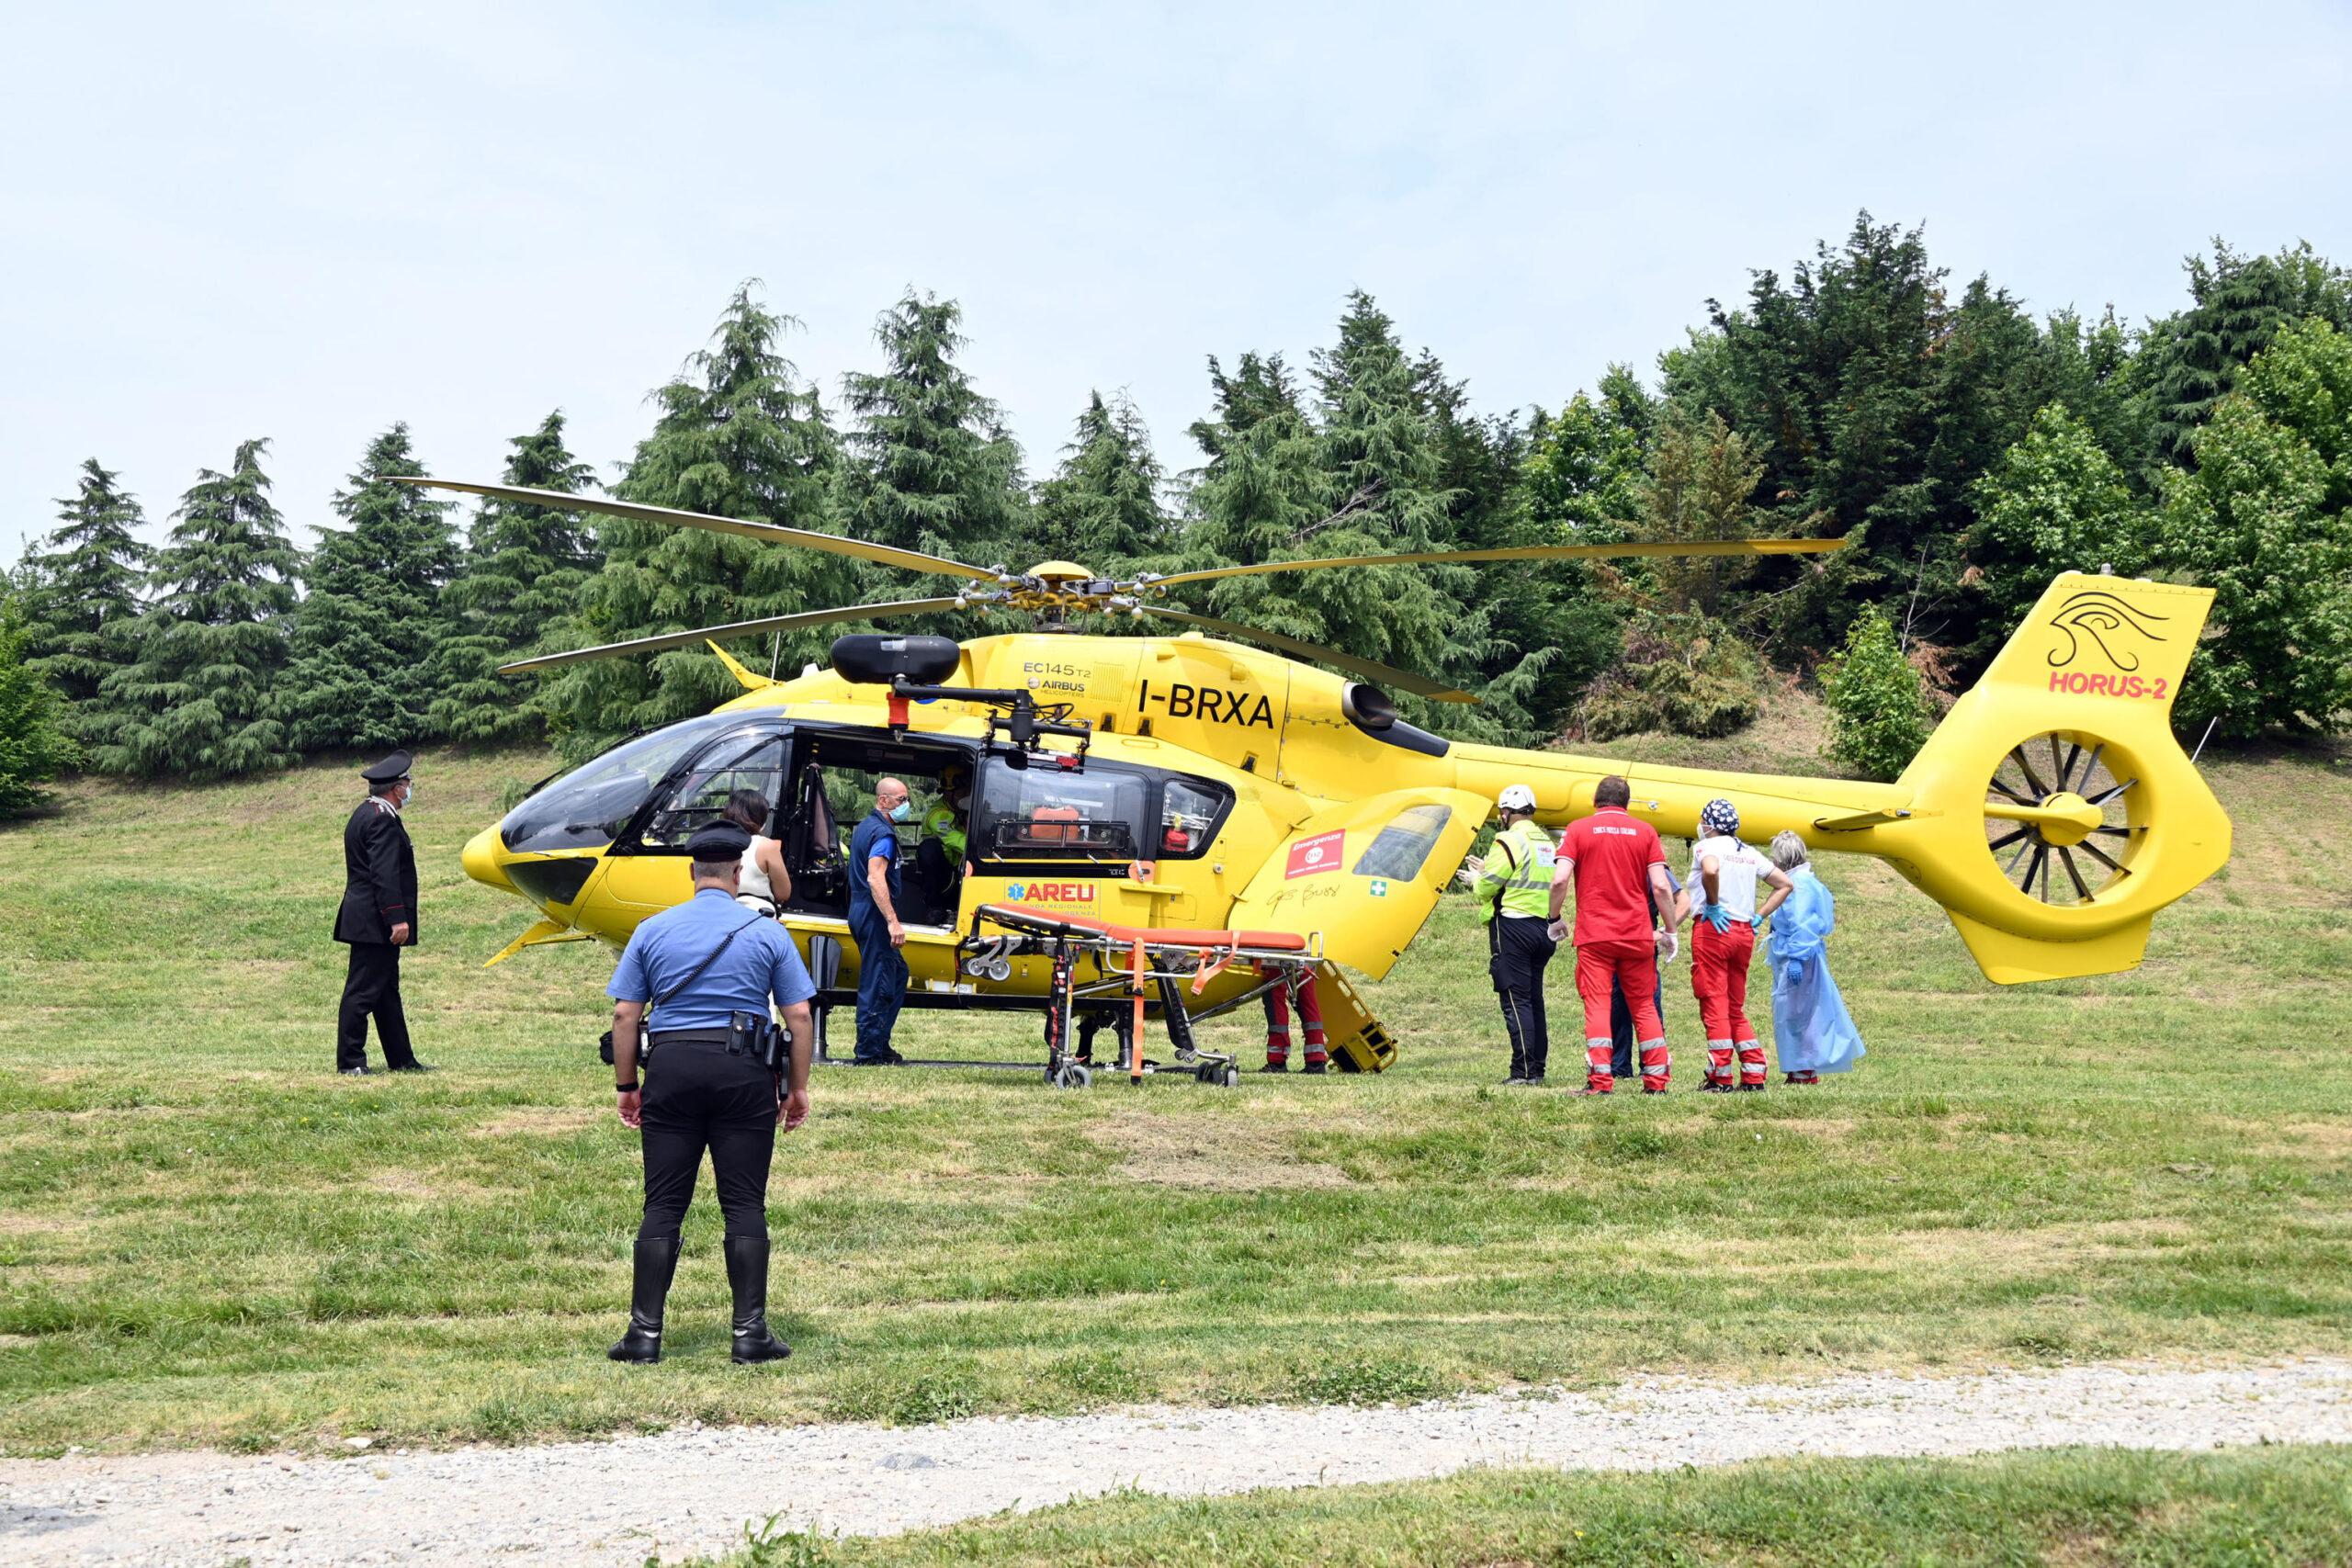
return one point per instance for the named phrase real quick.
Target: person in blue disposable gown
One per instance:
(1812, 1030)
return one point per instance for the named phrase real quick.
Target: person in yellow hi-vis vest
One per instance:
(939, 857)
(1513, 884)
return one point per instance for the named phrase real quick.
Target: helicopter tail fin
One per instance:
(2054, 811)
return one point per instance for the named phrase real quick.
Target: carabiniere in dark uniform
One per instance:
(719, 1076)
(378, 918)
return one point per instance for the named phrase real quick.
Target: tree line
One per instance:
(1965, 446)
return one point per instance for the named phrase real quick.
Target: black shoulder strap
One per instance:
(708, 959)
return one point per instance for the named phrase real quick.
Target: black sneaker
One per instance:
(414, 1067)
(1751, 1089)
(1312, 1068)
(356, 1072)
(1515, 1081)
(1713, 1087)
(1276, 1067)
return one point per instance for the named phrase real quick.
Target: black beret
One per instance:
(392, 767)
(720, 840)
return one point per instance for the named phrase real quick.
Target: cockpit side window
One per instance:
(702, 795)
(587, 807)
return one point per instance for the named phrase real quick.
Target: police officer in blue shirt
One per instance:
(873, 923)
(700, 963)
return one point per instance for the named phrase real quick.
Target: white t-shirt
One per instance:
(1737, 871)
(755, 884)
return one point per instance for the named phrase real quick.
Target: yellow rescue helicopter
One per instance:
(1193, 780)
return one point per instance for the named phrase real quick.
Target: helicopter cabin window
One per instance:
(1190, 811)
(590, 806)
(1049, 813)
(1399, 850)
(746, 766)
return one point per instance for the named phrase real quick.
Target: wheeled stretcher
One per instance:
(1095, 963)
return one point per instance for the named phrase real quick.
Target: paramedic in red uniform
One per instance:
(1310, 1013)
(1619, 869)
(1724, 874)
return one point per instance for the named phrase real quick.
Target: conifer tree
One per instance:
(82, 615)
(1103, 507)
(524, 572)
(201, 699)
(2189, 362)
(936, 471)
(739, 434)
(361, 656)
(34, 749)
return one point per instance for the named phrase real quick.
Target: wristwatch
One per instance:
(626, 1087)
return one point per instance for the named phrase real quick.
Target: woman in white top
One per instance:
(1722, 889)
(767, 885)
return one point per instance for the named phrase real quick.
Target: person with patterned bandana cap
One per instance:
(1724, 874)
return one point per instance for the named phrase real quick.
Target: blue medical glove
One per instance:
(1717, 916)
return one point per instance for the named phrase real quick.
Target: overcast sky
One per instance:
(304, 222)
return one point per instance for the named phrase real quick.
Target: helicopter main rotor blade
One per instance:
(1384, 674)
(733, 629)
(1516, 552)
(767, 533)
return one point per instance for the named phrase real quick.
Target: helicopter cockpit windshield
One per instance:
(587, 807)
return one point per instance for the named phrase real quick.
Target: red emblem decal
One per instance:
(1320, 853)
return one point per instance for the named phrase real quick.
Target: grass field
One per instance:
(207, 1238)
(2068, 1507)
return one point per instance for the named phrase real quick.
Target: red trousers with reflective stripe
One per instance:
(1632, 964)
(1719, 980)
(1310, 1013)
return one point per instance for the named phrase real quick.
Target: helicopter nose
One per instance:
(484, 861)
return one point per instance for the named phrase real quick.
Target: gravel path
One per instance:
(691, 1490)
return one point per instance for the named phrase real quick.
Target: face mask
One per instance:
(901, 811)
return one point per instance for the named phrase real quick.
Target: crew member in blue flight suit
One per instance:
(873, 923)
(698, 966)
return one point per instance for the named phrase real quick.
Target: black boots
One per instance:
(747, 1276)
(656, 1259)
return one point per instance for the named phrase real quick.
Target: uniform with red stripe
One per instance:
(1618, 868)
(1725, 916)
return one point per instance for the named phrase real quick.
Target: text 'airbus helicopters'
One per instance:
(1189, 780)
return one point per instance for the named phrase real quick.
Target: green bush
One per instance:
(1878, 706)
(1685, 674)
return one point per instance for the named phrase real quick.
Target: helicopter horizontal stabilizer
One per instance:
(536, 934)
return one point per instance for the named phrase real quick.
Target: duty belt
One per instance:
(721, 1037)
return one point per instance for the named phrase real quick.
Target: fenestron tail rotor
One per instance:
(1054, 591)
(2059, 821)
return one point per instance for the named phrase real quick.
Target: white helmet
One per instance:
(1516, 797)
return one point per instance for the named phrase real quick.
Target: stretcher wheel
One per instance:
(1231, 1077)
(1074, 1076)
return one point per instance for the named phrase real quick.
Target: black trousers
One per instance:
(1519, 951)
(1623, 1058)
(372, 989)
(698, 1098)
